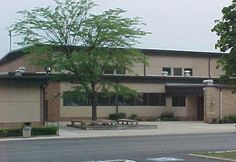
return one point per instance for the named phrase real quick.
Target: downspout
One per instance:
(204, 103)
(209, 67)
(221, 104)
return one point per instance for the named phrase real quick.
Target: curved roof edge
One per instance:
(14, 54)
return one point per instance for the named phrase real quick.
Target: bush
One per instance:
(134, 116)
(232, 118)
(167, 116)
(229, 119)
(48, 130)
(115, 116)
(10, 132)
(36, 131)
(151, 119)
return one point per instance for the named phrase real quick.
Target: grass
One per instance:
(220, 154)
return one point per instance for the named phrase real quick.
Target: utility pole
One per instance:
(10, 40)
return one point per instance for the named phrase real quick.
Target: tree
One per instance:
(75, 42)
(226, 30)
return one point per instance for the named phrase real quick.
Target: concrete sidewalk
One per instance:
(164, 128)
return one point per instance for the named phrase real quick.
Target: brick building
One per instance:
(173, 81)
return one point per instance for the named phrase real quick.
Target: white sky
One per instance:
(175, 24)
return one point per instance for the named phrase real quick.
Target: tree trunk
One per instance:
(94, 102)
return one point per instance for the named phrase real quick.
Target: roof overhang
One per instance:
(23, 78)
(184, 89)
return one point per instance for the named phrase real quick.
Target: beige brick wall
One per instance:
(198, 64)
(213, 108)
(212, 104)
(19, 103)
(104, 111)
(229, 102)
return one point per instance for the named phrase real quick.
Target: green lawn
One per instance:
(226, 154)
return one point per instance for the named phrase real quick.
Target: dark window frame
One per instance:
(176, 73)
(178, 101)
(120, 71)
(108, 71)
(143, 99)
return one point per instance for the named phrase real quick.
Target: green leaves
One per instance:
(226, 30)
(71, 40)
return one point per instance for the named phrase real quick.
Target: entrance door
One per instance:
(200, 107)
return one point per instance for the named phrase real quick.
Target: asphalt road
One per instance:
(132, 148)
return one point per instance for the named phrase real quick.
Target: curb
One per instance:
(98, 136)
(211, 157)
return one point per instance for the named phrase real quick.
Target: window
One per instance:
(120, 71)
(178, 71)
(168, 69)
(103, 100)
(117, 71)
(188, 71)
(70, 99)
(145, 99)
(178, 101)
(133, 101)
(154, 99)
(108, 71)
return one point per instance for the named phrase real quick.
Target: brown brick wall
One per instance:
(53, 97)
(229, 102)
(21, 61)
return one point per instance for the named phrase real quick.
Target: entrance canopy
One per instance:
(180, 89)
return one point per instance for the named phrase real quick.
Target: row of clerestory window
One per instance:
(177, 71)
(143, 99)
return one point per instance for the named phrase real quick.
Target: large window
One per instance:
(178, 101)
(108, 71)
(120, 71)
(70, 99)
(154, 99)
(145, 99)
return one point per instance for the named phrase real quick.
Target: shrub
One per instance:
(167, 116)
(115, 116)
(36, 131)
(232, 118)
(151, 119)
(229, 119)
(133, 116)
(48, 130)
(10, 132)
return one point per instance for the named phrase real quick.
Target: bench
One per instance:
(127, 122)
(93, 122)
